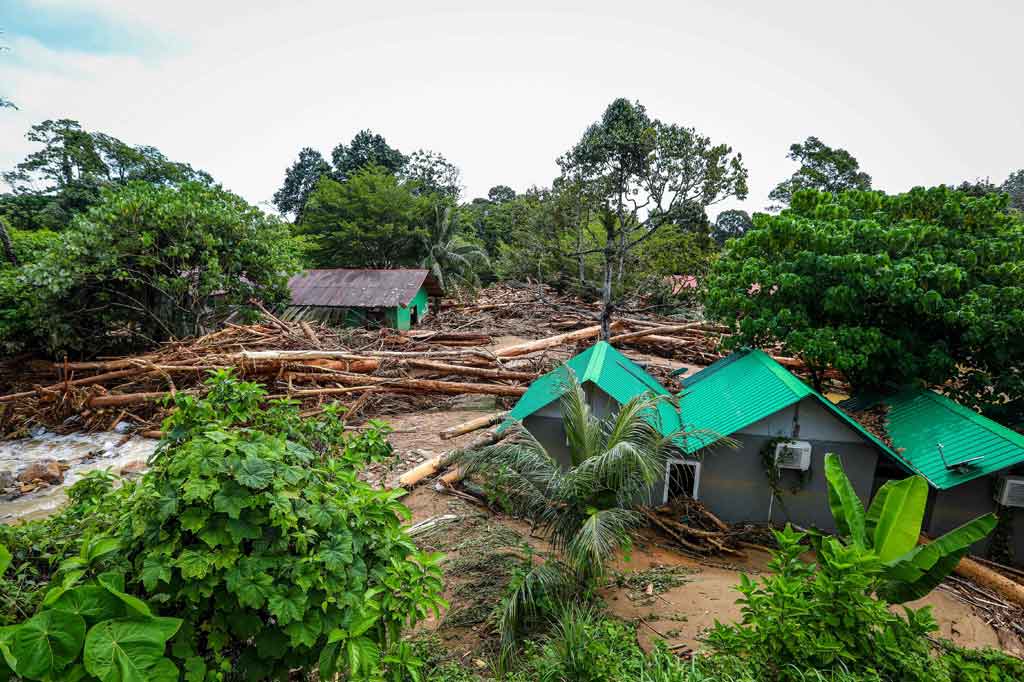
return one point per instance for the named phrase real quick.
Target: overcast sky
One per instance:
(920, 92)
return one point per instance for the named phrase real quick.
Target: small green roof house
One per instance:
(777, 423)
(356, 298)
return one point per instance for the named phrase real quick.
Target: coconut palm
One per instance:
(586, 510)
(449, 256)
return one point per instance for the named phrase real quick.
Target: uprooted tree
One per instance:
(887, 290)
(645, 174)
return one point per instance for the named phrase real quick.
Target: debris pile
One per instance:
(699, 533)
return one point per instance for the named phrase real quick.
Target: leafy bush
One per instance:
(38, 547)
(891, 528)
(822, 617)
(252, 526)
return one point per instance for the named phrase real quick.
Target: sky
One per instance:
(921, 93)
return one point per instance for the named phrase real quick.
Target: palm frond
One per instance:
(549, 584)
(601, 535)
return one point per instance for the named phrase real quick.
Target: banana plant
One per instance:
(891, 528)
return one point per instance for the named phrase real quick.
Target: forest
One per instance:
(254, 547)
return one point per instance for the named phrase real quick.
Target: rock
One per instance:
(136, 466)
(47, 470)
(6, 479)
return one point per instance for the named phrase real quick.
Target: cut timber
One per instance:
(472, 425)
(423, 385)
(485, 372)
(650, 331)
(310, 334)
(421, 471)
(1009, 589)
(551, 341)
(125, 399)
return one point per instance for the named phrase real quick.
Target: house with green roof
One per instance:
(755, 439)
(973, 464)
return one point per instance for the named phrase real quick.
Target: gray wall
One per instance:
(953, 508)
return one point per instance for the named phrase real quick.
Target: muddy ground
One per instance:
(670, 596)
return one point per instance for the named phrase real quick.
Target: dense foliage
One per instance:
(885, 289)
(821, 168)
(66, 175)
(821, 618)
(252, 538)
(891, 528)
(147, 263)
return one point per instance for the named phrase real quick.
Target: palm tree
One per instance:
(586, 510)
(448, 255)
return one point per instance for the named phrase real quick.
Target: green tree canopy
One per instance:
(822, 168)
(366, 149)
(429, 172)
(65, 175)
(645, 174)
(371, 220)
(925, 285)
(730, 224)
(300, 181)
(151, 262)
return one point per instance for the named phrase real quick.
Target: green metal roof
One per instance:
(742, 389)
(606, 368)
(918, 420)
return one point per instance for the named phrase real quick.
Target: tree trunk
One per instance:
(8, 246)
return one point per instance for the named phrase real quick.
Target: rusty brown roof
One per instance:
(360, 288)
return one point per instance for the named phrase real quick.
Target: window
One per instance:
(682, 478)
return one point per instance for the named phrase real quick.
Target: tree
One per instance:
(371, 220)
(299, 182)
(891, 528)
(428, 172)
(585, 510)
(64, 177)
(1014, 186)
(149, 263)
(499, 194)
(7, 244)
(885, 289)
(822, 168)
(366, 148)
(646, 174)
(730, 224)
(449, 256)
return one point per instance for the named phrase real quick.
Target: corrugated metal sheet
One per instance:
(342, 288)
(742, 389)
(606, 368)
(918, 420)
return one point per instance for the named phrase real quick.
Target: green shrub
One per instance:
(252, 526)
(823, 617)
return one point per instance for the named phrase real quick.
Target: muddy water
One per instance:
(81, 452)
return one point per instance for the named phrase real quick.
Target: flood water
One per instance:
(81, 452)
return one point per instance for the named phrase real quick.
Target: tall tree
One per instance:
(151, 262)
(924, 286)
(300, 181)
(429, 172)
(647, 174)
(450, 256)
(499, 194)
(366, 148)
(1014, 186)
(371, 220)
(822, 168)
(730, 224)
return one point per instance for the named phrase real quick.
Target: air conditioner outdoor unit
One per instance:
(793, 454)
(1010, 491)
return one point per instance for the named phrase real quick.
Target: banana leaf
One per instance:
(847, 510)
(920, 570)
(897, 522)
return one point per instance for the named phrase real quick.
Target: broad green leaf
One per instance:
(875, 511)
(918, 572)
(91, 602)
(847, 509)
(231, 499)
(47, 643)
(363, 656)
(254, 472)
(329, 661)
(154, 571)
(194, 563)
(100, 547)
(114, 583)
(195, 669)
(899, 521)
(194, 518)
(131, 649)
(5, 559)
(287, 607)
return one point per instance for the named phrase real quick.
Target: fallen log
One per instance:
(120, 400)
(1009, 589)
(421, 471)
(551, 341)
(485, 372)
(650, 331)
(472, 425)
(310, 334)
(423, 385)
